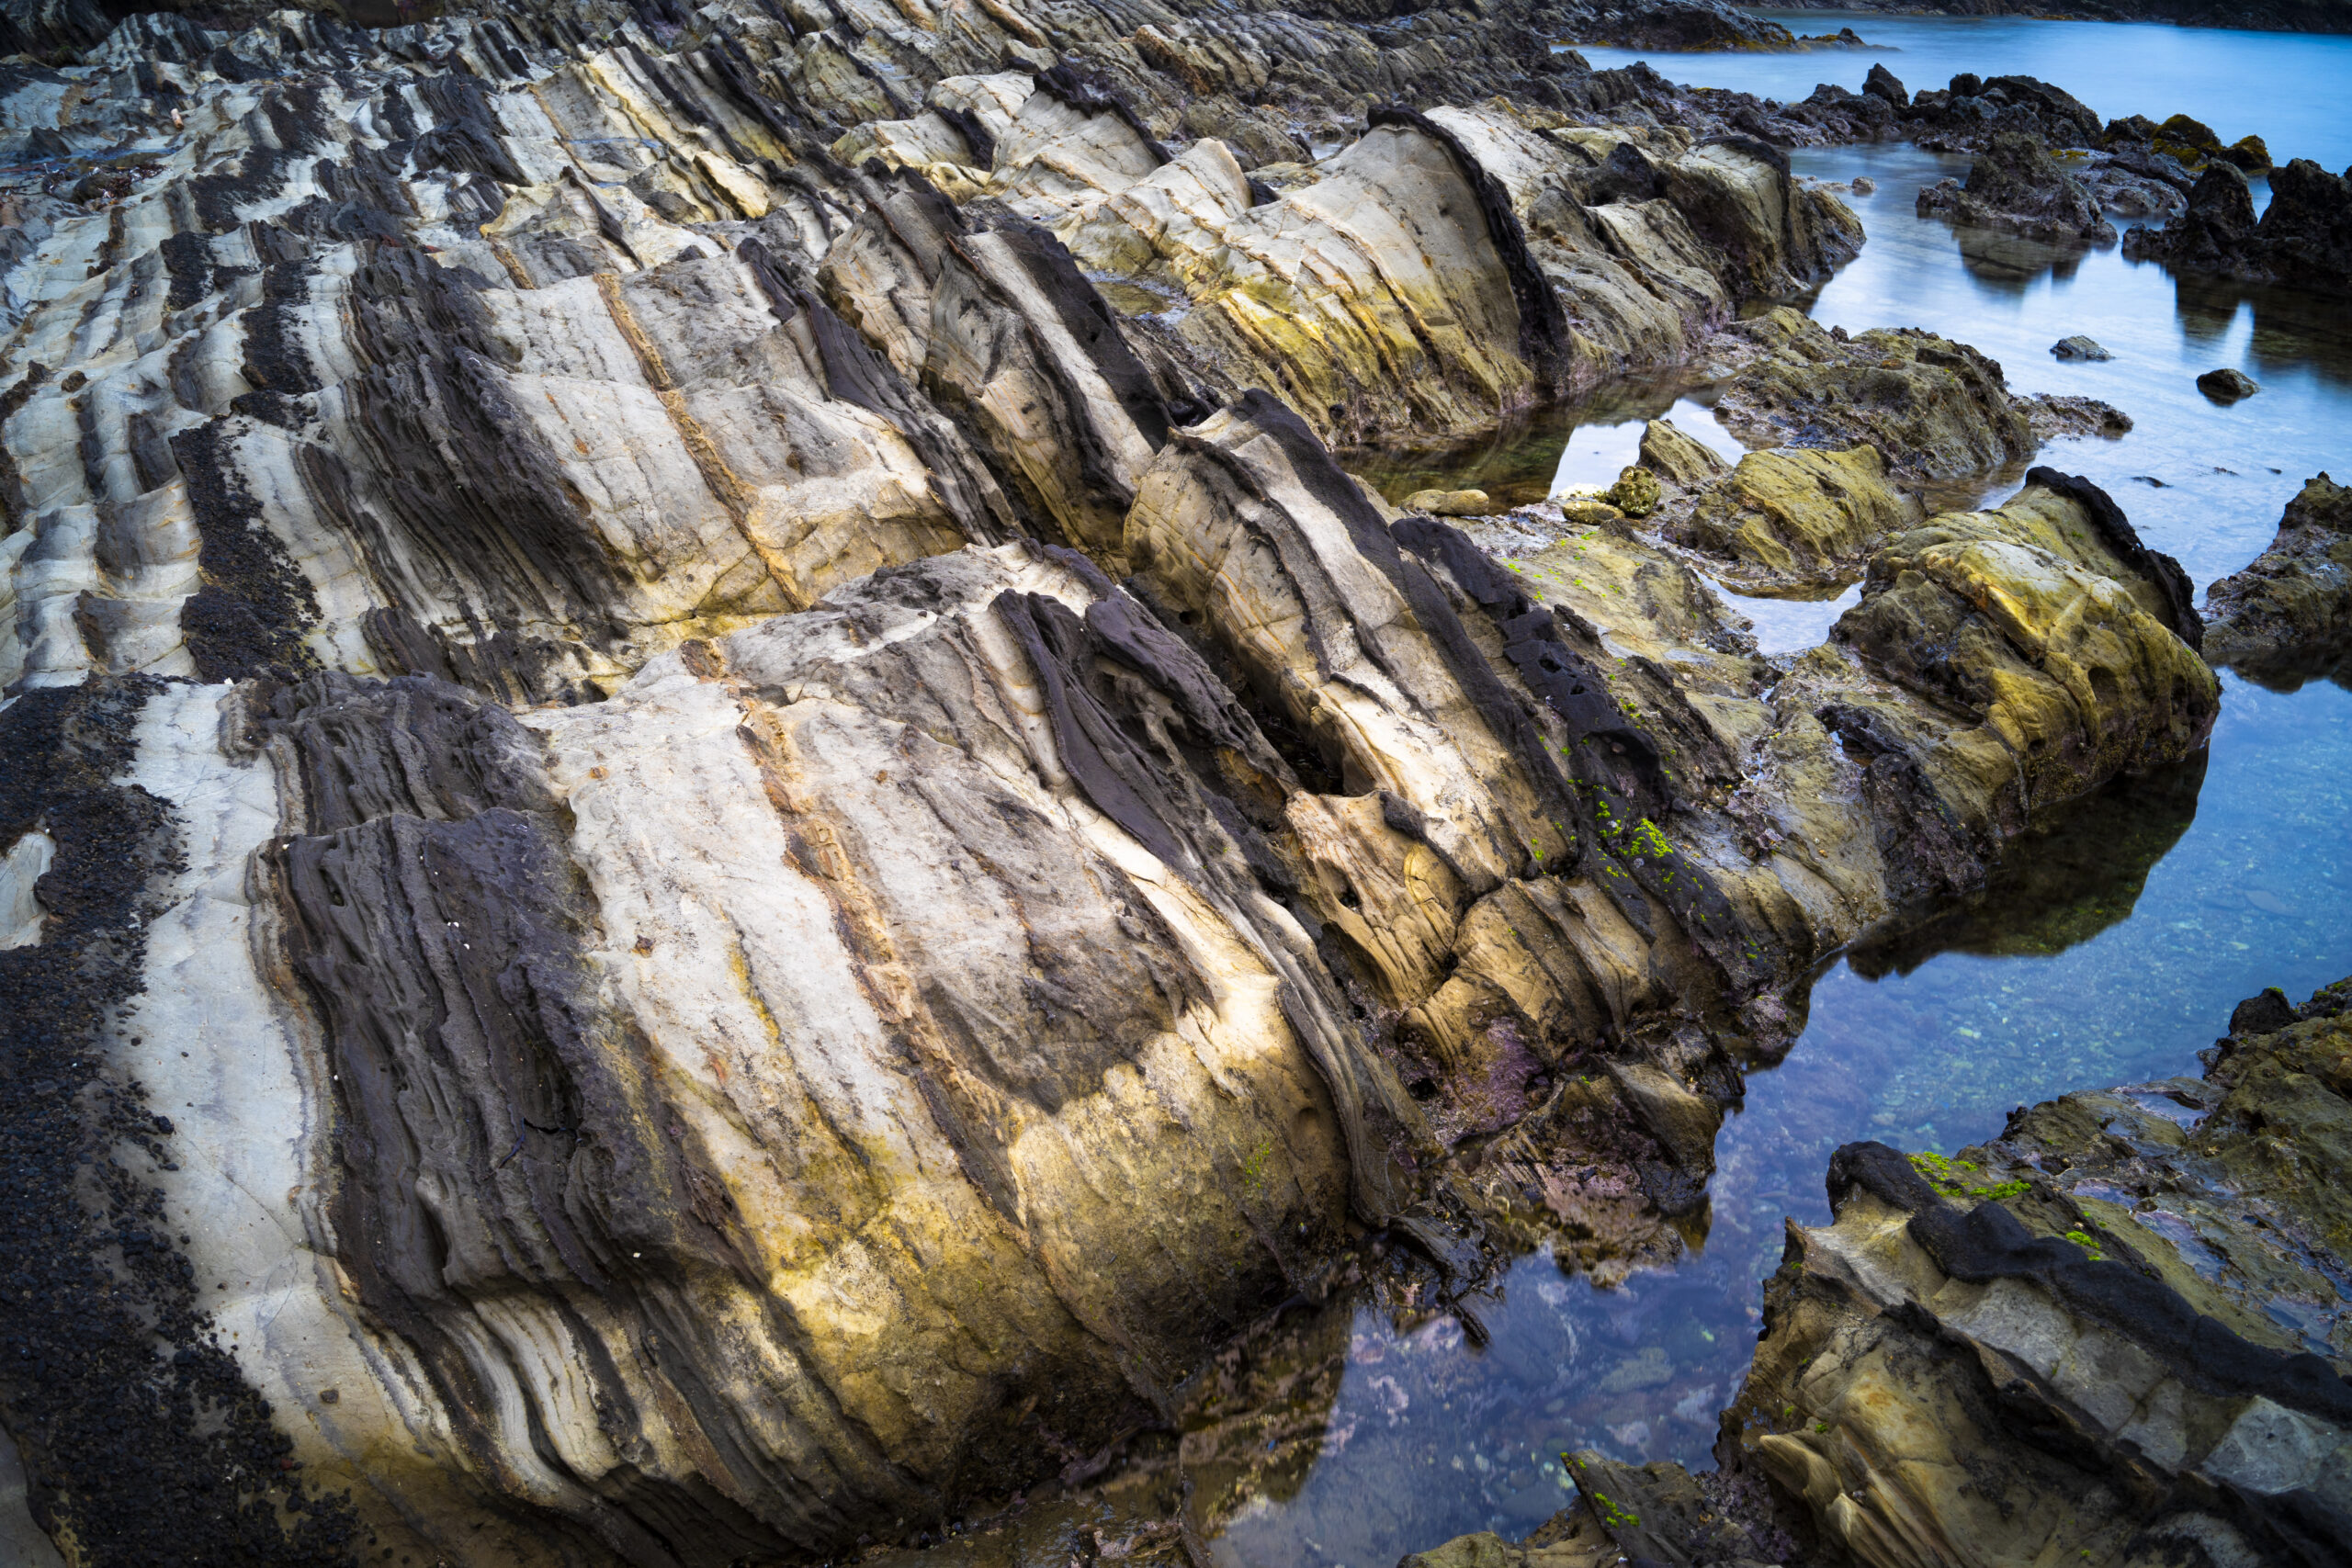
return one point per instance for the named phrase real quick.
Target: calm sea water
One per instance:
(2110, 949)
(2284, 87)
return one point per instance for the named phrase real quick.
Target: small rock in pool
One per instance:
(2227, 386)
(1636, 493)
(1450, 502)
(2079, 347)
(1588, 510)
(1864, 185)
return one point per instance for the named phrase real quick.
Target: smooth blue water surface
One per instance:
(2287, 89)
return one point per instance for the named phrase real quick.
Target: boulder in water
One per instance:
(2304, 239)
(2079, 347)
(1935, 409)
(2250, 153)
(2227, 385)
(2288, 616)
(1679, 459)
(2186, 136)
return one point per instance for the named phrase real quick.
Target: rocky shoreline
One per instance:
(719, 829)
(2116, 1334)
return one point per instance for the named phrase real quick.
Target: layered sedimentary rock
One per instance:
(2084, 1308)
(1932, 407)
(716, 826)
(2119, 1333)
(2288, 615)
(1799, 516)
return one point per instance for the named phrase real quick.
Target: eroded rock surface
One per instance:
(2302, 240)
(718, 827)
(1934, 408)
(2016, 185)
(2086, 1308)
(2118, 1333)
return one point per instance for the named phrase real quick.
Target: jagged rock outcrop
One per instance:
(2304, 239)
(1934, 408)
(2287, 618)
(2079, 1307)
(2016, 185)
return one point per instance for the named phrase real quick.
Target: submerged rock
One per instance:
(2288, 615)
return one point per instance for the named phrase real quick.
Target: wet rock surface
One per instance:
(2288, 616)
(2016, 185)
(2304, 238)
(1932, 407)
(2119, 1333)
(718, 830)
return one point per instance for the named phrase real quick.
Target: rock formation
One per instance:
(2074, 1342)
(1934, 408)
(2304, 239)
(2016, 185)
(2288, 615)
(717, 827)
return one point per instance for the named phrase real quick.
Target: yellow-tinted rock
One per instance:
(2026, 619)
(1636, 493)
(1450, 503)
(1794, 515)
(1679, 459)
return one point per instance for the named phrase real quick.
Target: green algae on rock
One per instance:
(1934, 408)
(2118, 1333)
